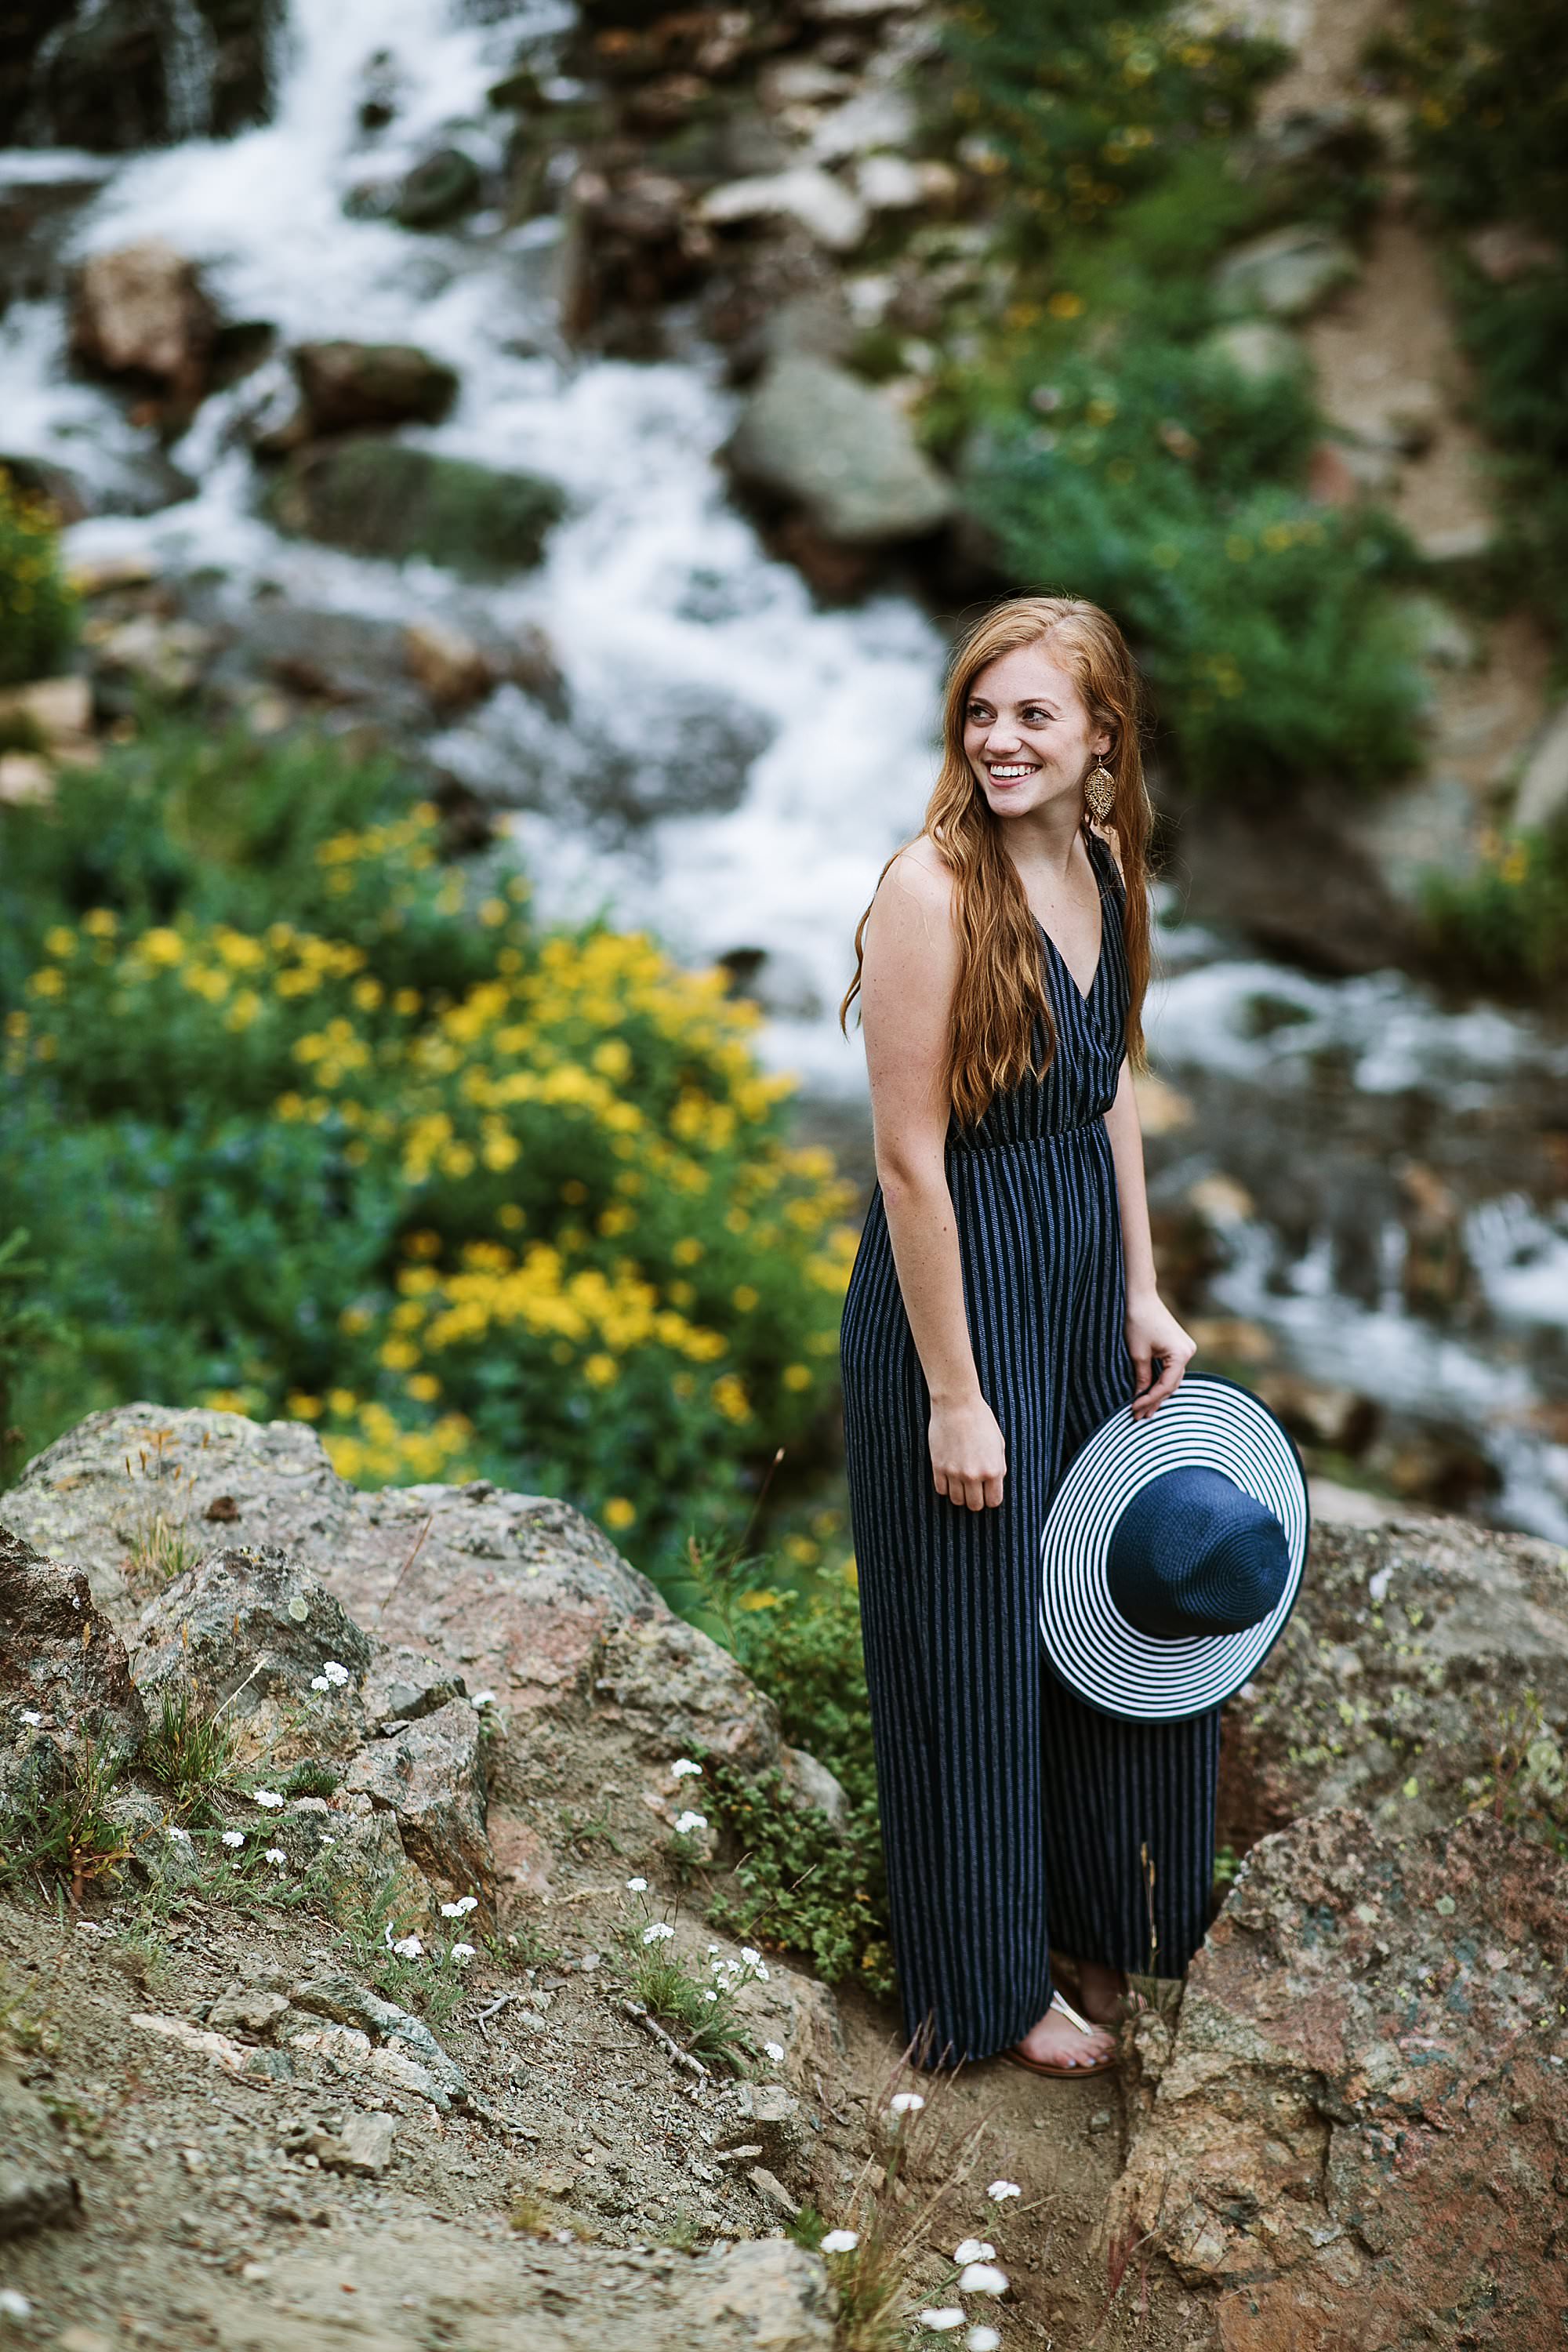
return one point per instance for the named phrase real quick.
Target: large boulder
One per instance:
(346, 384)
(1425, 1672)
(113, 75)
(815, 438)
(1542, 794)
(1359, 2135)
(375, 497)
(140, 311)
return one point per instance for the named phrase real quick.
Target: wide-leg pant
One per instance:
(1014, 1817)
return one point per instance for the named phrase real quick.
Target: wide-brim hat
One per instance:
(1206, 1423)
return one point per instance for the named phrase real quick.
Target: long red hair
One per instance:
(1000, 990)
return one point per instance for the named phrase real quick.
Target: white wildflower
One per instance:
(409, 1947)
(1000, 2190)
(180, 1836)
(15, 2304)
(462, 1951)
(1377, 1586)
(983, 2339)
(336, 1674)
(320, 1682)
(657, 1932)
(840, 2242)
(981, 2278)
(276, 1855)
(483, 1698)
(708, 1994)
(940, 2322)
(688, 1822)
(463, 1903)
(773, 2050)
(233, 1837)
(271, 1799)
(683, 1768)
(30, 1714)
(636, 1886)
(906, 2103)
(973, 2250)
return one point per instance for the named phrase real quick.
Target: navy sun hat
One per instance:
(1172, 1552)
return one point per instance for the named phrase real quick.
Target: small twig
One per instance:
(634, 2009)
(496, 2006)
(407, 1566)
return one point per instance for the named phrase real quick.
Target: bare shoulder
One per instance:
(916, 894)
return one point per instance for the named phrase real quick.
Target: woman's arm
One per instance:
(909, 972)
(1151, 1330)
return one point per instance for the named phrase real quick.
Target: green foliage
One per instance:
(63, 1829)
(1108, 441)
(38, 610)
(800, 1880)
(471, 1196)
(1082, 108)
(1489, 133)
(27, 1326)
(697, 2007)
(1506, 926)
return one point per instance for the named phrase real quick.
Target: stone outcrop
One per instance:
(345, 385)
(1425, 1672)
(813, 438)
(140, 311)
(38, 2188)
(60, 1660)
(1287, 272)
(375, 497)
(1360, 2132)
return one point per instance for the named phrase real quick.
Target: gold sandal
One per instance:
(1017, 2056)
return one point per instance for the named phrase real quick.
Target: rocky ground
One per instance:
(233, 2114)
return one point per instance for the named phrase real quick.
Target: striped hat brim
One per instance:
(1207, 1421)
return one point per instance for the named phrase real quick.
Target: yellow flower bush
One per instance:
(541, 1220)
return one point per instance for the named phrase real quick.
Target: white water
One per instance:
(657, 595)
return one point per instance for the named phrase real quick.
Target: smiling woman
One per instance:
(1002, 1304)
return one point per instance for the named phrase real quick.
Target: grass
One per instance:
(189, 1750)
(68, 1834)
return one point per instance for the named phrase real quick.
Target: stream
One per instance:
(1375, 1179)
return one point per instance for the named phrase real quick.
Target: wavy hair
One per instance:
(1001, 992)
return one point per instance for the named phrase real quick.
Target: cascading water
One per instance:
(771, 753)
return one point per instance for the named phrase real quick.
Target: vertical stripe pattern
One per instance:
(1014, 1817)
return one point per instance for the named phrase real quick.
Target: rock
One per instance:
(678, 1691)
(811, 1784)
(1439, 637)
(1257, 350)
(250, 1630)
(1505, 250)
(1400, 1682)
(39, 477)
(1288, 272)
(814, 436)
(1543, 792)
(119, 75)
(363, 2146)
(36, 2191)
(436, 190)
(828, 211)
(339, 1999)
(346, 384)
(60, 1658)
(140, 310)
(58, 713)
(26, 779)
(428, 1774)
(529, 2296)
(449, 666)
(1360, 2125)
(381, 498)
(246, 2008)
(169, 656)
(768, 2115)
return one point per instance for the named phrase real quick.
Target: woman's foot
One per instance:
(1101, 1992)
(1056, 2041)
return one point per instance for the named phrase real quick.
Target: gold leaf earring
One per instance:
(1099, 791)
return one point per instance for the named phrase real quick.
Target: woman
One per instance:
(1002, 1304)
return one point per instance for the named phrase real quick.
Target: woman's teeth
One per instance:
(1003, 775)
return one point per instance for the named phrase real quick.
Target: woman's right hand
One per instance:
(968, 1453)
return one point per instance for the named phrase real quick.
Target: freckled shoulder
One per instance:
(920, 872)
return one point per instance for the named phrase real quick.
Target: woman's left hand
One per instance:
(1152, 1331)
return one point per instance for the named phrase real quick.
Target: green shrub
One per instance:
(38, 610)
(471, 1196)
(1506, 927)
(1489, 82)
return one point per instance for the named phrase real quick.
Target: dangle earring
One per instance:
(1099, 791)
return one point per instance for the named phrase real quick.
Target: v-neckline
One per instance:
(1084, 996)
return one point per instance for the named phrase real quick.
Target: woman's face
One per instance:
(1027, 733)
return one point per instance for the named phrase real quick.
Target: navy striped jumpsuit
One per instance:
(1013, 1815)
